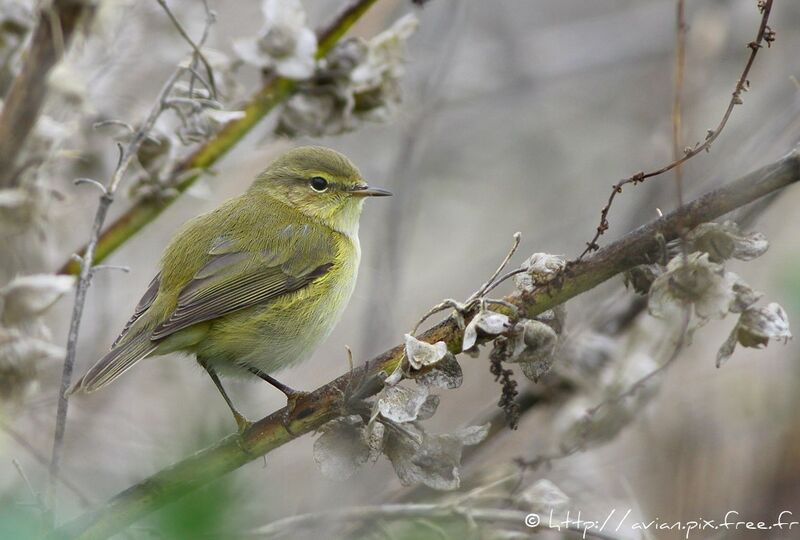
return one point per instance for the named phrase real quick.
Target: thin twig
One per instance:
(127, 155)
(25, 480)
(488, 285)
(394, 512)
(42, 460)
(198, 54)
(480, 490)
(680, 60)
(547, 460)
(765, 35)
(324, 404)
(504, 277)
(478, 295)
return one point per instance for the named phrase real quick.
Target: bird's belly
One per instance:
(278, 334)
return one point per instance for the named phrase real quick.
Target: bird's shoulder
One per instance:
(250, 235)
(276, 235)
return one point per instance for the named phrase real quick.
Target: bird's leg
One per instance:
(274, 382)
(241, 421)
(292, 395)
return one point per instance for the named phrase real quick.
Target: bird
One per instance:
(255, 285)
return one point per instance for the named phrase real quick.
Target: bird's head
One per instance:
(320, 183)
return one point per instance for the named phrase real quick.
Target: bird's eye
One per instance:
(319, 184)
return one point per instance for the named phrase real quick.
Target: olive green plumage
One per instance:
(258, 282)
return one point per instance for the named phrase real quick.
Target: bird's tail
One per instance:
(119, 359)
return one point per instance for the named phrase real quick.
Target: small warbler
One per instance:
(255, 285)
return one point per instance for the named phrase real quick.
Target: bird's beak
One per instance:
(364, 190)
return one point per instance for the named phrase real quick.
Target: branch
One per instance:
(324, 404)
(275, 91)
(53, 32)
(677, 120)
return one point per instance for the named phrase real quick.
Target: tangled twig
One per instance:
(477, 296)
(765, 35)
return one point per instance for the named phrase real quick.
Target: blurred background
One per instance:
(516, 116)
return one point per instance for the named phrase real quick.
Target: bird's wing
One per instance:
(144, 303)
(232, 280)
(234, 277)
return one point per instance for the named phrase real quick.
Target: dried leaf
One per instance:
(27, 297)
(433, 460)
(446, 374)
(488, 322)
(641, 277)
(396, 376)
(758, 326)
(284, 44)
(555, 318)
(428, 408)
(533, 348)
(470, 335)
(341, 449)
(744, 297)
(727, 348)
(220, 117)
(723, 241)
(357, 81)
(540, 268)
(420, 353)
(472, 435)
(401, 403)
(755, 328)
(698, 282)
(386, 55)
(20, 357)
